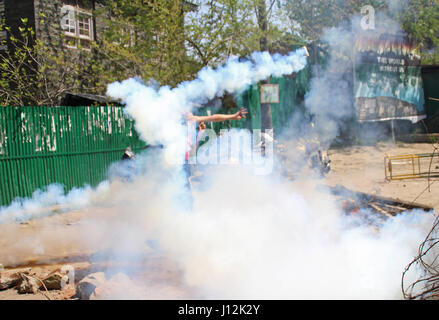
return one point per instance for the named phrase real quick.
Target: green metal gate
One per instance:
(69, 145)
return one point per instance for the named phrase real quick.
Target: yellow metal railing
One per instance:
(411, 166)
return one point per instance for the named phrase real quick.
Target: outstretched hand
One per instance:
(241, 114)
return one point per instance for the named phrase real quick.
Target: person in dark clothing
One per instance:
(128, 169)
(128, 154)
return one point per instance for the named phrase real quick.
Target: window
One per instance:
(3, 45)
(126, 35)
(78, 26)
(129, 34)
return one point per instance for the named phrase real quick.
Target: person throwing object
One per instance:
(191, 123)
(192, 120)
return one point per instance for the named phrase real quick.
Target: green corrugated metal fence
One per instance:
(69, 145)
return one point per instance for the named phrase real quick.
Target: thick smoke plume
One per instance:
(248, 236)
(329, 102)
(159, 113)
(53, 198)
(256, 237)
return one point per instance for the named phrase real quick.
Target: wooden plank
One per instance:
(380, 210)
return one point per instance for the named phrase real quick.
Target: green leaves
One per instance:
(35, 72)
(158, 39)
(143, 38)
(420, 19)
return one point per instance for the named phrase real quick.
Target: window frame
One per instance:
(78, 15)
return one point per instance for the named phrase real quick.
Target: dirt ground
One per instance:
(362, 169)
(356, 168)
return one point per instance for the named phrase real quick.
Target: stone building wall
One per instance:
(15, 11)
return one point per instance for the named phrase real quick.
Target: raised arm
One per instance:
(219, 117)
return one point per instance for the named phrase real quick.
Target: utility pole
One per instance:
(262, 16)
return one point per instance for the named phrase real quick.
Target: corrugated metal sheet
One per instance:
(69, 145)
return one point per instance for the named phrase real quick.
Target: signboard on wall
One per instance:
(388, 83)
(270, 93)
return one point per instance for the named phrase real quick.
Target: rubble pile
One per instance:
(27, 281)
(55, 286)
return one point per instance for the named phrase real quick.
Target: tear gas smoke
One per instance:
(159, 113)
(248, 236)
(43, 202)
(255, 237)
(251, 238)
(329, 101)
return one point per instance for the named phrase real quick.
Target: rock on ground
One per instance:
(10, 279)
(86, 287)
(53, 282)
(29, 285)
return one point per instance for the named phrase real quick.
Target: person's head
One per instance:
(201, 126)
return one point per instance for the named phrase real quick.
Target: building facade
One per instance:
(90, 43)
(73, 20)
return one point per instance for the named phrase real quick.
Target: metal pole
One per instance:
(392, 125)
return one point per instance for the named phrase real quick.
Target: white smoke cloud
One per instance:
(254, 237)
(250, 238)
(329, 100)
(247, 236)
(159, 113)
(45, 202)
(397, 6)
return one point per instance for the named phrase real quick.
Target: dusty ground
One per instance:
(44, 245)
(362, 169)
(356, 168)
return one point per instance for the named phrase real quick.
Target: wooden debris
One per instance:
(385, 206)
(380, 210)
